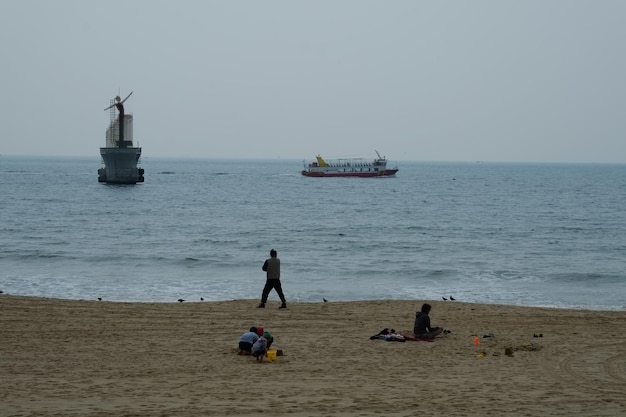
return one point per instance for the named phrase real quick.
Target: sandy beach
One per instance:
(99, 358)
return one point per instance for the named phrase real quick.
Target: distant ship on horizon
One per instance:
(349, 167)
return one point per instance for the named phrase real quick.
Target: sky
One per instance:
(458, 80)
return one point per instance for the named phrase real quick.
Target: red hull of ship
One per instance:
(385, 173)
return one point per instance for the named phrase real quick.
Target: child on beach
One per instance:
(247, 340)
(270, 339)
(259, 349)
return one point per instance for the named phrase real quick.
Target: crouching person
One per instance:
(259, 349)
(247, 340)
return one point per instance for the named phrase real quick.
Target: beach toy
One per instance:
(271, 355)
(476, 341)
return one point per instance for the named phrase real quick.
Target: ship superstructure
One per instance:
(349, 167)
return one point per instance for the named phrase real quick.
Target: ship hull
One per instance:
(120, 166)
(381, 173)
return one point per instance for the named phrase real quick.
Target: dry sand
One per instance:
(98, 358)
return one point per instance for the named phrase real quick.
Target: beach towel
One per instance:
(388, 335)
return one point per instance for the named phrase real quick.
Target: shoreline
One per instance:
(106, 358)
(207, 300)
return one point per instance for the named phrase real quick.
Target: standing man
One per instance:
(272, 267)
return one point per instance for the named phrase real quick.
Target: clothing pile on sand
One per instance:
(389, 335)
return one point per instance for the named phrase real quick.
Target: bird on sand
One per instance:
(444, 298)
(325, 300)
(201, 299)
(180, 300)
(99, 298)
(452, 298)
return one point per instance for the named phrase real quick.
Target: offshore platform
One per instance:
(119, 156)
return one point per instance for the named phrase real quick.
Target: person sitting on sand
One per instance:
(422, 328)
(247, 340)
(259, 349)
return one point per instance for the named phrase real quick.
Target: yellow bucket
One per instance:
(271, 355)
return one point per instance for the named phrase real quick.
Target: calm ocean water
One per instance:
(523, 234)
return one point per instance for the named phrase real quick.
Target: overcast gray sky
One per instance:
(497, 80)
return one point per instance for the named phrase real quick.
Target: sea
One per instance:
(551, 235)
